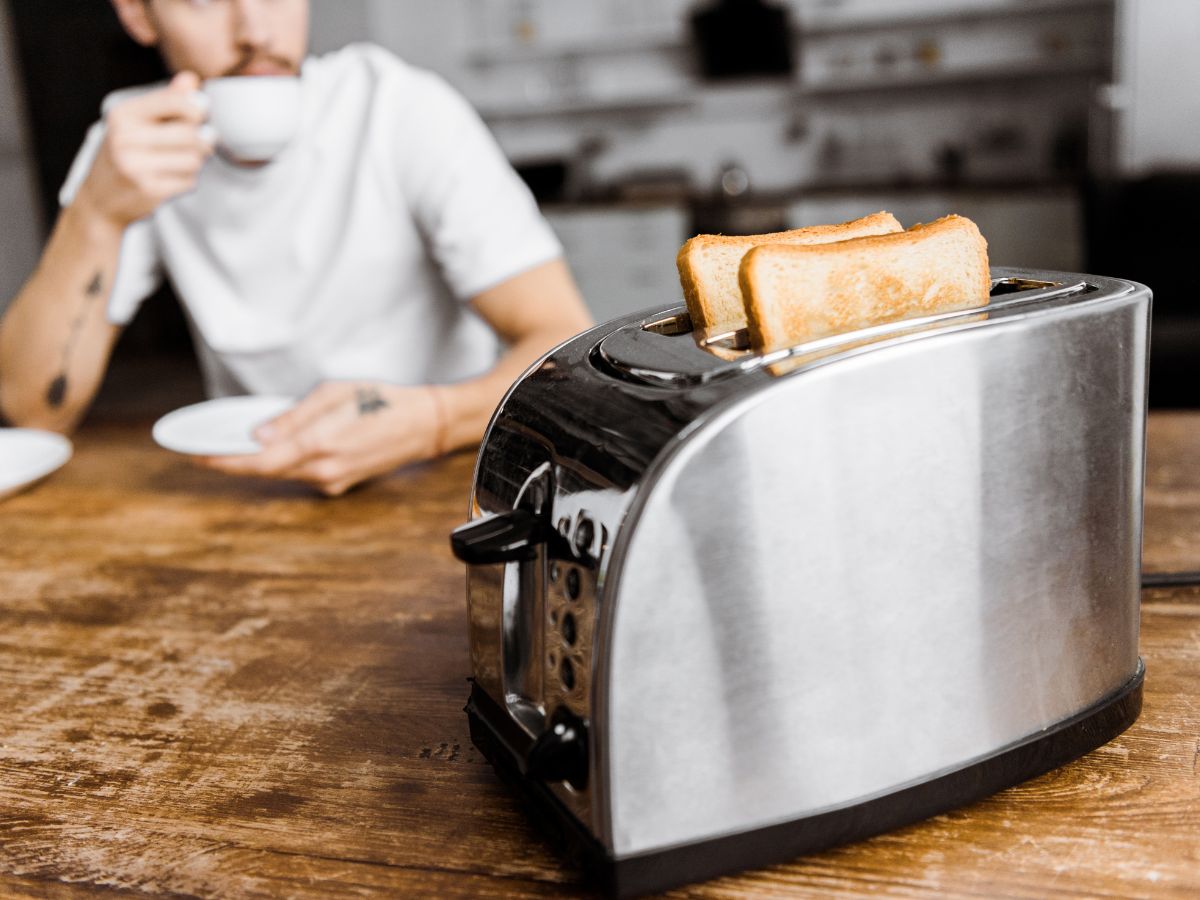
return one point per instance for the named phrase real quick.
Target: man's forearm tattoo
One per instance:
(370, 401)
(56, 394)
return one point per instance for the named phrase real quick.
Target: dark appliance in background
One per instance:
(1146, 229)
(743, 38)
(740, 39)
(71, 53)
(70, 58)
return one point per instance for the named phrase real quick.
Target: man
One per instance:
(357, 268)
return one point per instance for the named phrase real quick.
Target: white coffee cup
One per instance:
(254, 116)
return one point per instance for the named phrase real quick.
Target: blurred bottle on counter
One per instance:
(732, 182)
(731, 208)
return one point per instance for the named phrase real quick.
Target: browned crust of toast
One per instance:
(796, 293)
(698, 295)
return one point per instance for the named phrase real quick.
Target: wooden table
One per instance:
(217, 687)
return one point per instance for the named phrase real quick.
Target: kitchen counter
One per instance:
(222, 687)
(687, 197)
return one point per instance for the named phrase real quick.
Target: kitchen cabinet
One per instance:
(622, 257)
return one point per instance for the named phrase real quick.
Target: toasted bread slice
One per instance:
(794, 294)
(708, 266)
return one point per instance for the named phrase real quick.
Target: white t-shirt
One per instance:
(351, 255)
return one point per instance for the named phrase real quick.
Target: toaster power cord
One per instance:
(1170, 579)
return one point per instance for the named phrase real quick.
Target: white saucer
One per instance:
(222, 427)
(28, 454)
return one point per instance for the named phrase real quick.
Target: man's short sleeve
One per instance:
(139, 270)
(481, 220)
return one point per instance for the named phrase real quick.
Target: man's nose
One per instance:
(251, 29)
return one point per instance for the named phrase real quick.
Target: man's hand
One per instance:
(153, 150)
(343, 433)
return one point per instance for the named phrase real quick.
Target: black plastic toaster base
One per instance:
(1057, 745)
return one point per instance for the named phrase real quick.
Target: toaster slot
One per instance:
(665, 351)
(729, 342)
(1003, 286)
(671, 326)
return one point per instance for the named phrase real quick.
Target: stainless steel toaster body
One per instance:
(727, 608)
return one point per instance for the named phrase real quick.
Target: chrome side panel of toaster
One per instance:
(858, 576)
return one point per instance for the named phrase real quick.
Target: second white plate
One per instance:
(29, 454)
(222, 427)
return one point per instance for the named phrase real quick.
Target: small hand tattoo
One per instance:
(56, 393)
(370, 401)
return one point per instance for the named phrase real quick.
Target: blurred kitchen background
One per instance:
(1069, 130)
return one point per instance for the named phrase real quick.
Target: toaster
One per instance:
(727, 608)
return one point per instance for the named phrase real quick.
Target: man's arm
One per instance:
(55, 340)
(532, 313)
(345, 432)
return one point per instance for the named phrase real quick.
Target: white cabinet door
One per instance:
(12, 114)
(20, 237)
(21, 234)
(623, 259)
(1158, 103)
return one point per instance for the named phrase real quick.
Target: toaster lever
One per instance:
(507, 537)
(560, 753)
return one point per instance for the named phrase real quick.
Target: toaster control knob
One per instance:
(560, 752)
(585, 534)
(508, 537)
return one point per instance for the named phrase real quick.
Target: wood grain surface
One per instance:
(215, 687)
